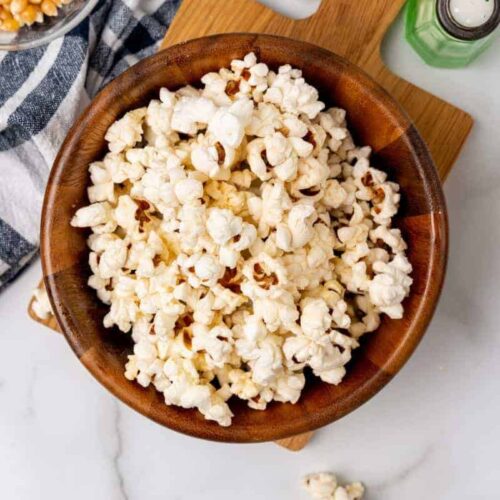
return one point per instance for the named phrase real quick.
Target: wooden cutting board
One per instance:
(351, 28)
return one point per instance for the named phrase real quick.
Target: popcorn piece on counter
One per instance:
(41, 304)
(239, 236)
(324, 486)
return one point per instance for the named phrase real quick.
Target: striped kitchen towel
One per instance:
(43, 90)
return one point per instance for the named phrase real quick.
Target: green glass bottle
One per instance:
(451, 33)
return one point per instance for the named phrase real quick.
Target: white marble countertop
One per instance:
(432, 433)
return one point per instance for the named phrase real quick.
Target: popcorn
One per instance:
(113, 258)
(327, 354)
(188, 190)
(265, 120)
(226, 195)
(292, 94)
(41, 304)
(241, 178)
(246, 237)
(284, 237)
(391, 237)
(215, 342)
(188, 391)
(242, 384)
(125, 211)
(278, 148)
(300, 223)
(215, 89)
(206, 160)
(386, 203)
(312, 175)
(227, 301)
(92, 215)
(264, 277)
(288, 387)
(370, 320)
(222, 225)
(240, 237)
(191, 225)
(228, 124)
(123, 312)
(208, 270)
(315, 319)
(228, 257)
(255, 152)
(190, 112)
(390, 285)
(269, 209)
(126, 132)
(321, 486)
(324, 486)
(334, 194)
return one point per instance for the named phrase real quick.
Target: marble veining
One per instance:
(118, 451)
(29, 410)
(395, 480)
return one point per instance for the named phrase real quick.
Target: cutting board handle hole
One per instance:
(294, 9)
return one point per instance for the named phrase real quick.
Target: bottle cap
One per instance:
(462, 19)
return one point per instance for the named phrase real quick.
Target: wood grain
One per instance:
(352, 29)
(296, 443)
(374, 117)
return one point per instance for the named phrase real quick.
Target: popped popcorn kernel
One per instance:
(324, 486)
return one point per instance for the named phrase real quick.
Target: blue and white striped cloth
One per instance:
(43, 90)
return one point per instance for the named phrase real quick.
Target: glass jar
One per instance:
(28, 37)
(451, 33)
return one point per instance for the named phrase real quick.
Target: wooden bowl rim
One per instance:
(373, 384)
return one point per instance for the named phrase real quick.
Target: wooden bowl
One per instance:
(375, 119)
